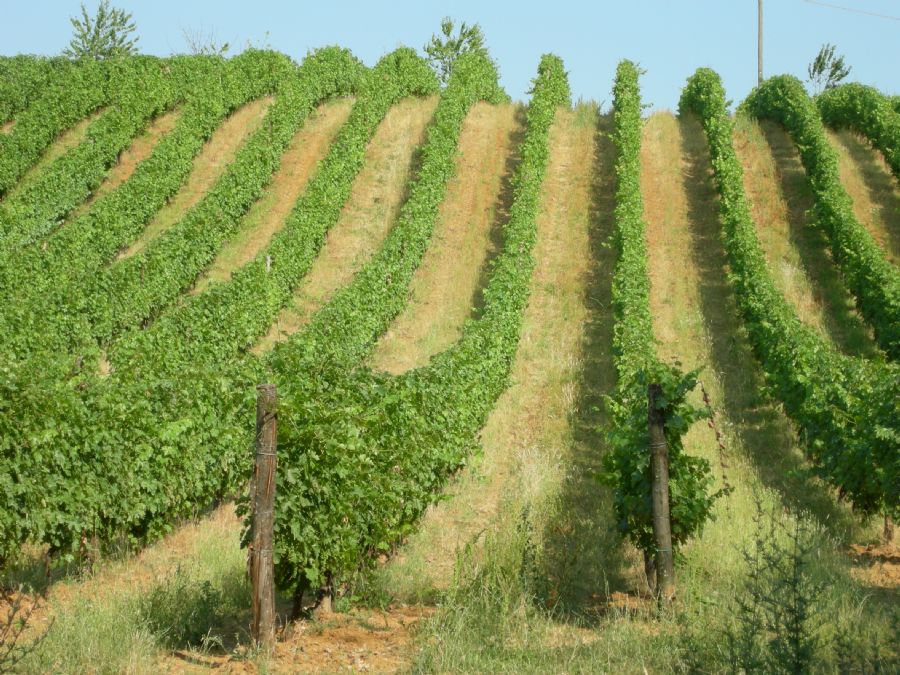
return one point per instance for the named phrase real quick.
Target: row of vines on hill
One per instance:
(79, 90)
(846, 409)
(363, 454)
(47, 279)
(627, 465)
(868, 274)
(147, 88)
(91, 457)
(24, 77)
(868, 112)
(228, 317)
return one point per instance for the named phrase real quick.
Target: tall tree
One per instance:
(105, 35)
(444, 49)
(826, 70)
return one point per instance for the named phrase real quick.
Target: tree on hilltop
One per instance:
(444, 49)
(826, 71)
(106, 35)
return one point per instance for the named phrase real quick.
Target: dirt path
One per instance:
(269, 213)
(209, 165)
(796, 250)
(67, 140)
(873, 188)
(375, 198)
(528, 436)
(140, 149)
(447, 284)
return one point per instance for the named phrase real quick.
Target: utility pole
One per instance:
(759, 44)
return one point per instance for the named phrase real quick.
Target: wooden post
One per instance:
(262, 568)
(659, 481)
(759, 42)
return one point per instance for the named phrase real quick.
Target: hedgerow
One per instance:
(868, 274)
(228, 317)
(627, 464)
(866, 111)
(847, 410)
(362, 454)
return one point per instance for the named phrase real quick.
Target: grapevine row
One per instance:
(84, 88)
(868, 112)
(348, 326)
(847, 410)
(229, 316)
(365, 453)
(868, 274)
(147, 90)
(23, 78)
(85, 456)
(627, 465)
(49, 280)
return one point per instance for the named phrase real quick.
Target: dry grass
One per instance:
(873, 188)
(269, 213)
(67, 140)
(527, 442)
(209, 165)
(445, 287)
(140, 149)
(6, 127)
(796, 250)
(366, 218)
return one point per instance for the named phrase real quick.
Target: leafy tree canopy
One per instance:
(444, 49)
(106, 35)
(826, 71)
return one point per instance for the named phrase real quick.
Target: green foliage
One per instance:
(228, 317)
(106, 35)
(80, 90)
(847, 410)
(135, 289)
(127, 455)
(143, 87)
(181, 610)
(47, 280)
(826, 71)
(444, 50)
(52, 280)
(780, 619)
(868, 274)
(361, 454)
(778, 613)
(868, 112)
(23, 78)
(627, 465)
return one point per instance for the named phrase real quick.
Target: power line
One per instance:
(852, 9)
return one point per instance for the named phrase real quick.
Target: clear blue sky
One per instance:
(669, 39)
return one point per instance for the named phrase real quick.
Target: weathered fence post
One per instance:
(659, 481)
(262, 568)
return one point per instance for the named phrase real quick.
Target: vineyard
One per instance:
(475, 313)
